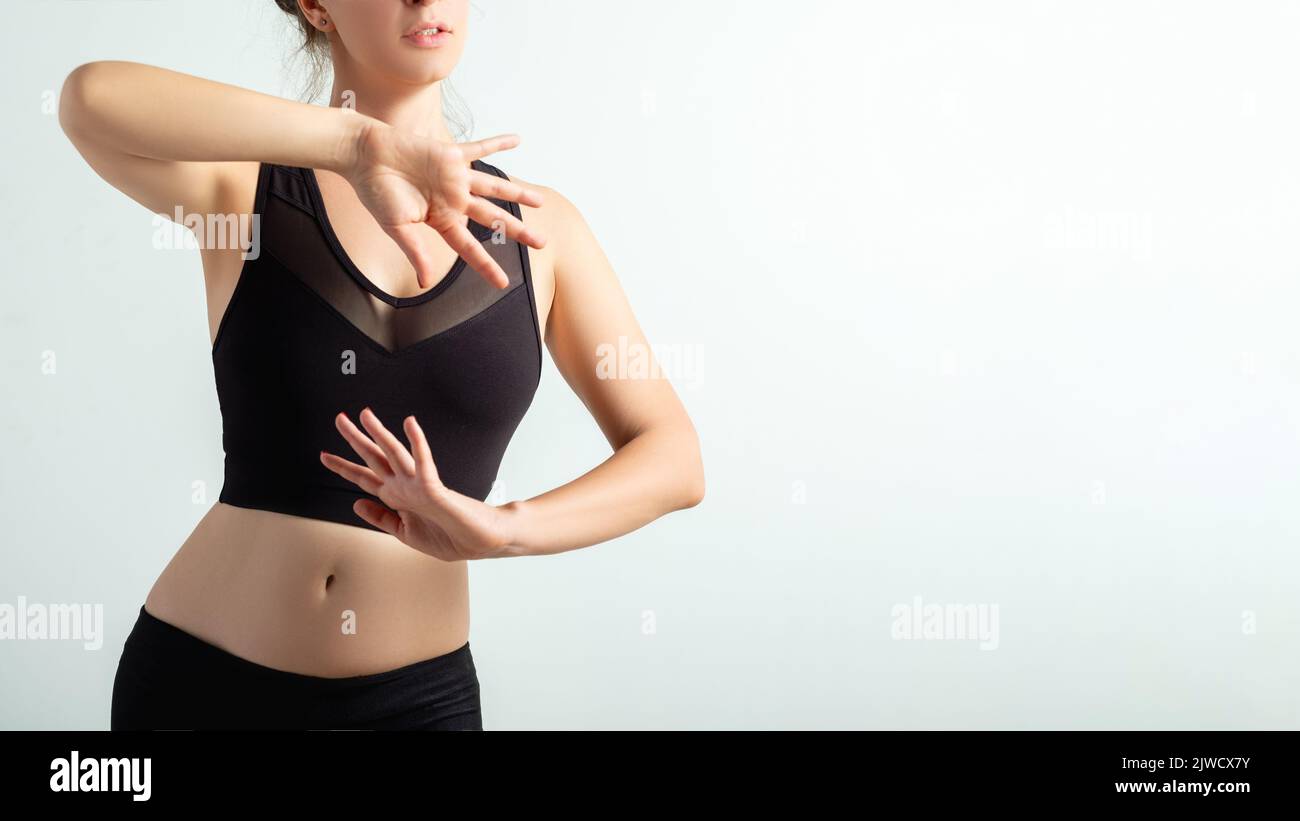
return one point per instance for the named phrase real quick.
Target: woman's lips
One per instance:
(428, 40)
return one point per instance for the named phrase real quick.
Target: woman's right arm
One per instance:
(167, 139)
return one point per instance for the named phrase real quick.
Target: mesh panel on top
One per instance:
(297, 233)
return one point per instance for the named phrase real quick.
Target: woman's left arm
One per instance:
(656, 466)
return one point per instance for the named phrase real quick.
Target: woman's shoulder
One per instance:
(558, 218)
(556, 209)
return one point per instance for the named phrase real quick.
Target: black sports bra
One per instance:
(306, 335)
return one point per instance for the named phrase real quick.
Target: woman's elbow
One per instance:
(75, 99)
(694, 490)
(691, 473)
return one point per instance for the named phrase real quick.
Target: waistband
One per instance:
(174, 640)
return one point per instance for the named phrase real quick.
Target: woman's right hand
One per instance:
(411, 184)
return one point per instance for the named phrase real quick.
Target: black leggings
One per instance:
(168, 679)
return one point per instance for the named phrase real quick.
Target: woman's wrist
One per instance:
(364, 138)
(513, 523)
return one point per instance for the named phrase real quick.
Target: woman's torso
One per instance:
(306, 594)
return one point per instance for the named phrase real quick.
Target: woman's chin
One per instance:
(424, 71)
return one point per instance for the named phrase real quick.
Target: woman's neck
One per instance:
(414, 109)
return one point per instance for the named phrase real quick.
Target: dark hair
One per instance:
(315, 49)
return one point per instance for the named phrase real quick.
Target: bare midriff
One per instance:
(310, 596)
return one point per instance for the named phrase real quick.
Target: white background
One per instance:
(995, 305)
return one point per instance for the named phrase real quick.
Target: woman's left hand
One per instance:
(420, 510)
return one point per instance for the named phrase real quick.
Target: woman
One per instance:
(396, 275)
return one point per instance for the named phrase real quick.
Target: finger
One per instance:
(414, 242)
(393, 448)
(478, 149)
(362, 477)
(378, 515)
(494, 216)
(490, 185)
(366, 449)
(424, 465)
(468, 246)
